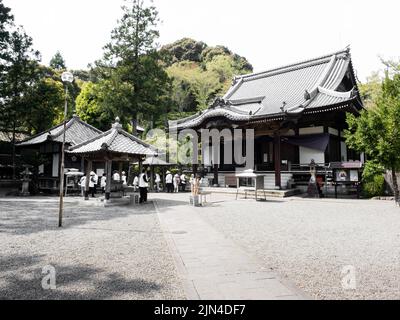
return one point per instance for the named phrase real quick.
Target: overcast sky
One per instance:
(267, 33)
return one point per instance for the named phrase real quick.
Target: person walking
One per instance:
(143, 184)
(191, 182)
(103, 183)
(82, 183)
(135, 183)
(96, 182)
(92, 183)
(116, 176)
(176, 182)
(169, 182)
(157, 180)
(183, 182)
(123, 178)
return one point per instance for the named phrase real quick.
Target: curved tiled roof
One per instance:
(6, 136)
(114, 140)
(212, 113)
(294, 88)
(76, 132)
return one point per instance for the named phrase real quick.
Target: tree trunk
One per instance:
(395, 185)
(134, 125)
(14, 173)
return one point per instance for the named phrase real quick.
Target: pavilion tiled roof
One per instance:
(7, 136)
(292, 89)
(76, 132)
(114, 140)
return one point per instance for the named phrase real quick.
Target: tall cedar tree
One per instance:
(131, 60)
(58, 62)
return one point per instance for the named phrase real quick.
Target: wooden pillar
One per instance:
(163, 178)
(152, 178)
(140, 165)
(82, 164)
(120, 170)
(108, 179)
(339, 137)
(328, 148)
(297, 148)
(215, 182)
(88, 170)
(129, 175)
(277, 159)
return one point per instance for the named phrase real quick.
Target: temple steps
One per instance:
(269, 181)
(250, 195)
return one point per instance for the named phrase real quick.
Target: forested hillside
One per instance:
(199, 73)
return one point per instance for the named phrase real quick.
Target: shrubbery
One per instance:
(374, 186)
(373, 180)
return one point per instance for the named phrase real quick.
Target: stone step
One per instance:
(268, 192)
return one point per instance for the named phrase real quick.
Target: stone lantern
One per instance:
(313, 190)
(26, 178)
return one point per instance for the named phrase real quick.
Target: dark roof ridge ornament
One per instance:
(219, 103)
(235, 79)
(307, 95)
(283, 106)
(296, 110)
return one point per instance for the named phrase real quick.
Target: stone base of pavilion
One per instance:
(101, 201)
(124, 201)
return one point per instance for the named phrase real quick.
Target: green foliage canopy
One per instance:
(57, 62)
(377, 131)
(200, 73)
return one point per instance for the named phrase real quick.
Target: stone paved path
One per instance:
(211, 265)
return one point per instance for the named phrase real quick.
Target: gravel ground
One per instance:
(100, 253)
(310, 241)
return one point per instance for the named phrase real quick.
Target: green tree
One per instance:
(377, 130)
(31, 94)
(131, 66)
(88, 105)
(45, 100)
(239, 63)
(188, 77)
(205, 87)
(226, 67)
(199, 73)
(58, 62)
(185, 49)
(100, 103)
(19, 71)
(49, 85)
(371, 90)
(6, 20)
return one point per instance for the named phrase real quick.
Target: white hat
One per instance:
(168, 172)
(92, 173)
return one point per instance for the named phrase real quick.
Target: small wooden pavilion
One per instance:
(114, 145)
(47, 144)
